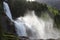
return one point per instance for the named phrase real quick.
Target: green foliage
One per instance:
(9, 37)
(56, 14)
(53, 10)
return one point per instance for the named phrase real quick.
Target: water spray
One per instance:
(20, 28)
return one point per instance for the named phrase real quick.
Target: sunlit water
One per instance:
(32, 26)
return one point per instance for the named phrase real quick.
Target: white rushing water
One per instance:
(20, 28)
(36, 24)
(38, 27)
(32, 26)
(7, 10)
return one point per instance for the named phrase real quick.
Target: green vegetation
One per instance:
(53, 10)
(56, 14)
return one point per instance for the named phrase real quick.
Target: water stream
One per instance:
(20, 28)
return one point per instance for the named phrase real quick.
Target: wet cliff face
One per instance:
(1, 8)
(5, 23)
(0, 22)
(18, 8)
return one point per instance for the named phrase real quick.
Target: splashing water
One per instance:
(20, 28)
(40, 29)
(37, 27)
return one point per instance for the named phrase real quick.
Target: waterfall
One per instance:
(34, 25)
(37, 27)
(7, 10)
(20, 28)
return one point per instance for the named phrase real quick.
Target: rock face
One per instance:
(0, 19)
(18, 8)
(6, 29)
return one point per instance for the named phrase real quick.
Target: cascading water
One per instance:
(20, 28)
(37, 27)
(7, 10)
